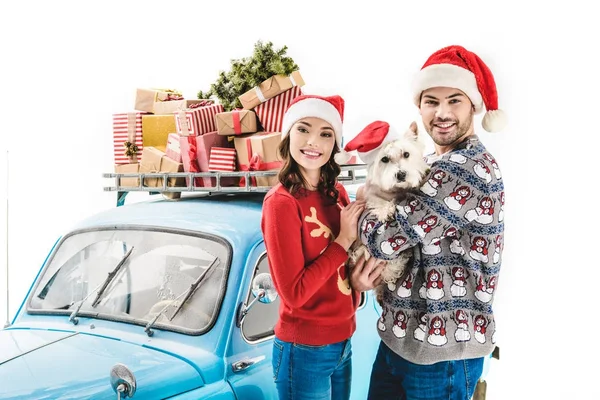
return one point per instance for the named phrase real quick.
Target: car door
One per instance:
(249, 356)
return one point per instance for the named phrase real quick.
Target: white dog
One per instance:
(397, 168)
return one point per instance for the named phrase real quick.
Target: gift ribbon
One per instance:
(237, 125)
(293, 81)
(255, 163)
(203, 103)
(131, 148)
(193, 154)
(259, 94)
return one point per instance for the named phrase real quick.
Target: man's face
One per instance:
(447, 115)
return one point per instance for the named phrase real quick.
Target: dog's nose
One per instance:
(400, 176)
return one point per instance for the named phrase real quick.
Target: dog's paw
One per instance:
(385, 212)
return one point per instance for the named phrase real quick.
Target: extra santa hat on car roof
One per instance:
(457, 67)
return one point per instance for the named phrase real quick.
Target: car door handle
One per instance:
(246, 363)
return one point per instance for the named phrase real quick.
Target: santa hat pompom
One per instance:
(457, 67)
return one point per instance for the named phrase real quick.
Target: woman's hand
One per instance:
(349, 223)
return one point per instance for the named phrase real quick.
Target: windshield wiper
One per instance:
(110, 277)
(188, 294)
(73, 317)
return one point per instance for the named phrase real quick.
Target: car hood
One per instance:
(56, 364)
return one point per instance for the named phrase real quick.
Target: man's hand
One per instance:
(366, 275)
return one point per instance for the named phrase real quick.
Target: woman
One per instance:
(308, 225)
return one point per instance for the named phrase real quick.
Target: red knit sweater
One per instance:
(317, 305)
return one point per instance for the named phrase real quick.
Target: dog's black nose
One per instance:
(400, 176)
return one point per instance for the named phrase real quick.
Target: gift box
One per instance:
(173, 150)
(156, 130)
(270, 88)
(127, 132)
(221, 159)
(270, 113)
(154, 160)
(259, 152)
(236, 122)
(128, 169)
(195, 155)
(197, 121)
(145, 99)
(173, 106)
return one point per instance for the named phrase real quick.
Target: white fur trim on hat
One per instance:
(313, 107)
(447, 75)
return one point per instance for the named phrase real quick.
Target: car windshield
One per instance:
(134, 275)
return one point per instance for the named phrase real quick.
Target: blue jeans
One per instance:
(312, 372)
(393, 377)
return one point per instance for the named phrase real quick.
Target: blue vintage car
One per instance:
(158, 299)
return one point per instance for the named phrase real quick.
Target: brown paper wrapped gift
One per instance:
(236, 122)
(172, 106)
(259, 152)
(128, 169)
(270, 88)
(156, 130)
(154, 160)
(146, 98)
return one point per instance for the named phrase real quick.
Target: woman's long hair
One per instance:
(291, 177)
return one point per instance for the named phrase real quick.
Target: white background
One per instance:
(67, 66)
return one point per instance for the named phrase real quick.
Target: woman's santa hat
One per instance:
(456, 67)
(371, 139)
(329, 109)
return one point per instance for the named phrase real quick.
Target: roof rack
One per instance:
(351, 174)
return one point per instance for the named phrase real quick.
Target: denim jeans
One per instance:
(312, 372)
(393, 377)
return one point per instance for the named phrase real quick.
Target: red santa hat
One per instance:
(456, 67)
(329, 109)
(371, 139)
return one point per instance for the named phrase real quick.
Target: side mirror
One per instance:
(263, 291)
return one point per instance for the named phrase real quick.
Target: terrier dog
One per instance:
(398, 168)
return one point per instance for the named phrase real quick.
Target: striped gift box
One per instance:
(221, 159)
(127, 127)
(270, 113)
(197, 121)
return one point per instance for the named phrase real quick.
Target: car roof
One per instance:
(228, 215)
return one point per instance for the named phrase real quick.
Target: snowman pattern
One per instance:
(455, 247)
(495, 167)
(399, 328)
(381, 321)
(485, 288)
(393, 244)
(437, 332)
(419, 332)
(408, 209)
(501, 212)
(480, 323)
(458, 158)
(424, 226)
(483, 213)
(405, 288)
(482, 171)
(497, 250)
(434, 285)
(433, 247)
(367, 226)
(459, 282)
(479, 249)
(462, 326)
(458, 197)
(430, 188)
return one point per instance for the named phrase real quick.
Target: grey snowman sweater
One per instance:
(441, 308)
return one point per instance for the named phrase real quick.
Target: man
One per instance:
(436, 334)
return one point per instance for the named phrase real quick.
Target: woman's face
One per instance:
(311, 143)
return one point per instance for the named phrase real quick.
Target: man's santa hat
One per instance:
(329, 109)
(456, 67)
(371, 139)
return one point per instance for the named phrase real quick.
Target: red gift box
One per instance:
(197, 121)
(222, 159)
(270, 113)
(195, 156)
(127, 127)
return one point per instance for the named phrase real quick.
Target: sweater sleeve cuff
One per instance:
(336, 253)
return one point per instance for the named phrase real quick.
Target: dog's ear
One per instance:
(412, 132)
